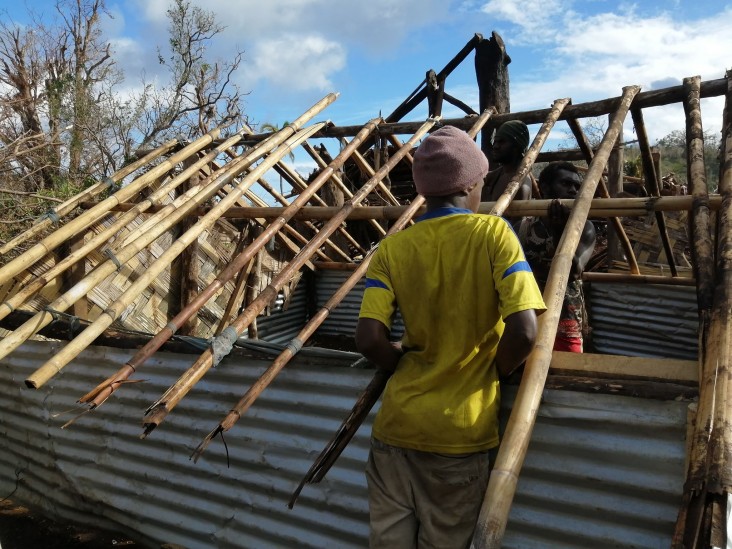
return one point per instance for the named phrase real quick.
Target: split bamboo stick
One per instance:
(528, 160)
(93, 215)
(297, 343)
(17, 299)
(504, 477)
(98, 395)
(586, 149)
(651, 180)
(96, 189)
(85, 338)
(160, 409)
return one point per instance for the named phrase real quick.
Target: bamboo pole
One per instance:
(17, 299)
(96, 189)
(651, 177)
(82, 222)
(586, 149)
(504, 477)
(98, 395)
(600, 207)
(296, 344)
(528, 160)
(83, 340)
(701, 245)
(160, 409)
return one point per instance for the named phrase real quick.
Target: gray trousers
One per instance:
(422, 500)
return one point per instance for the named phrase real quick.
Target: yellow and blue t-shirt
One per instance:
(454, 276)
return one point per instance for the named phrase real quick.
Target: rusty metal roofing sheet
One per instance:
(601, 470)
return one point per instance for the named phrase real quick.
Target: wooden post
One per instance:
(652, 183)
(615, 186)
(586, 149)
(504, 477)
(491, 69)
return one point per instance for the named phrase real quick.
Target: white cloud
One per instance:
(531, 17)
(297, 62)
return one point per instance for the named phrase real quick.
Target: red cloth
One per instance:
(568, 344)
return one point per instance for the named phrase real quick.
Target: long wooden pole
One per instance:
(101, 186)
(651, 178)
(160, 409)
(528, 160)
(504, 477)
(586, 149)
(18, 298)
(83, 221)
(600, 207)
(98, 395)
(714, 337)
(654, 98)
(110, 314)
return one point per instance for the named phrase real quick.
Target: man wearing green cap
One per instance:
(509, 147)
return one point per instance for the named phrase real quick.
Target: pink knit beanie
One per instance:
(446, 162)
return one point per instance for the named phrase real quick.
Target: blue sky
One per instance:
(375, 53)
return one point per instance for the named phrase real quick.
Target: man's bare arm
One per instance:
(372, 341)
(517, 341)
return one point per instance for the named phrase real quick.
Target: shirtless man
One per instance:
(509, 146)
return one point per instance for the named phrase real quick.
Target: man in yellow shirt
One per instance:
(469, 302)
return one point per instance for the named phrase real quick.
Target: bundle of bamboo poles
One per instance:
(222, 345)
(165, 218)
(104, 390)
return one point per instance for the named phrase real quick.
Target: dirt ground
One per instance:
(21, 528)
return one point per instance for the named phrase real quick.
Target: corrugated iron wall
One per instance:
(644, 320)
(626, 319)
(601, 470)
(342, 320)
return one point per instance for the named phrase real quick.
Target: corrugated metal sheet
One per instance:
(601, 470)
(342, 320)
(644, 320)
(282, 324)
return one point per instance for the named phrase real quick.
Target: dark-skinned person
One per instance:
(540, 236)
(509, 147)
(469, 303)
